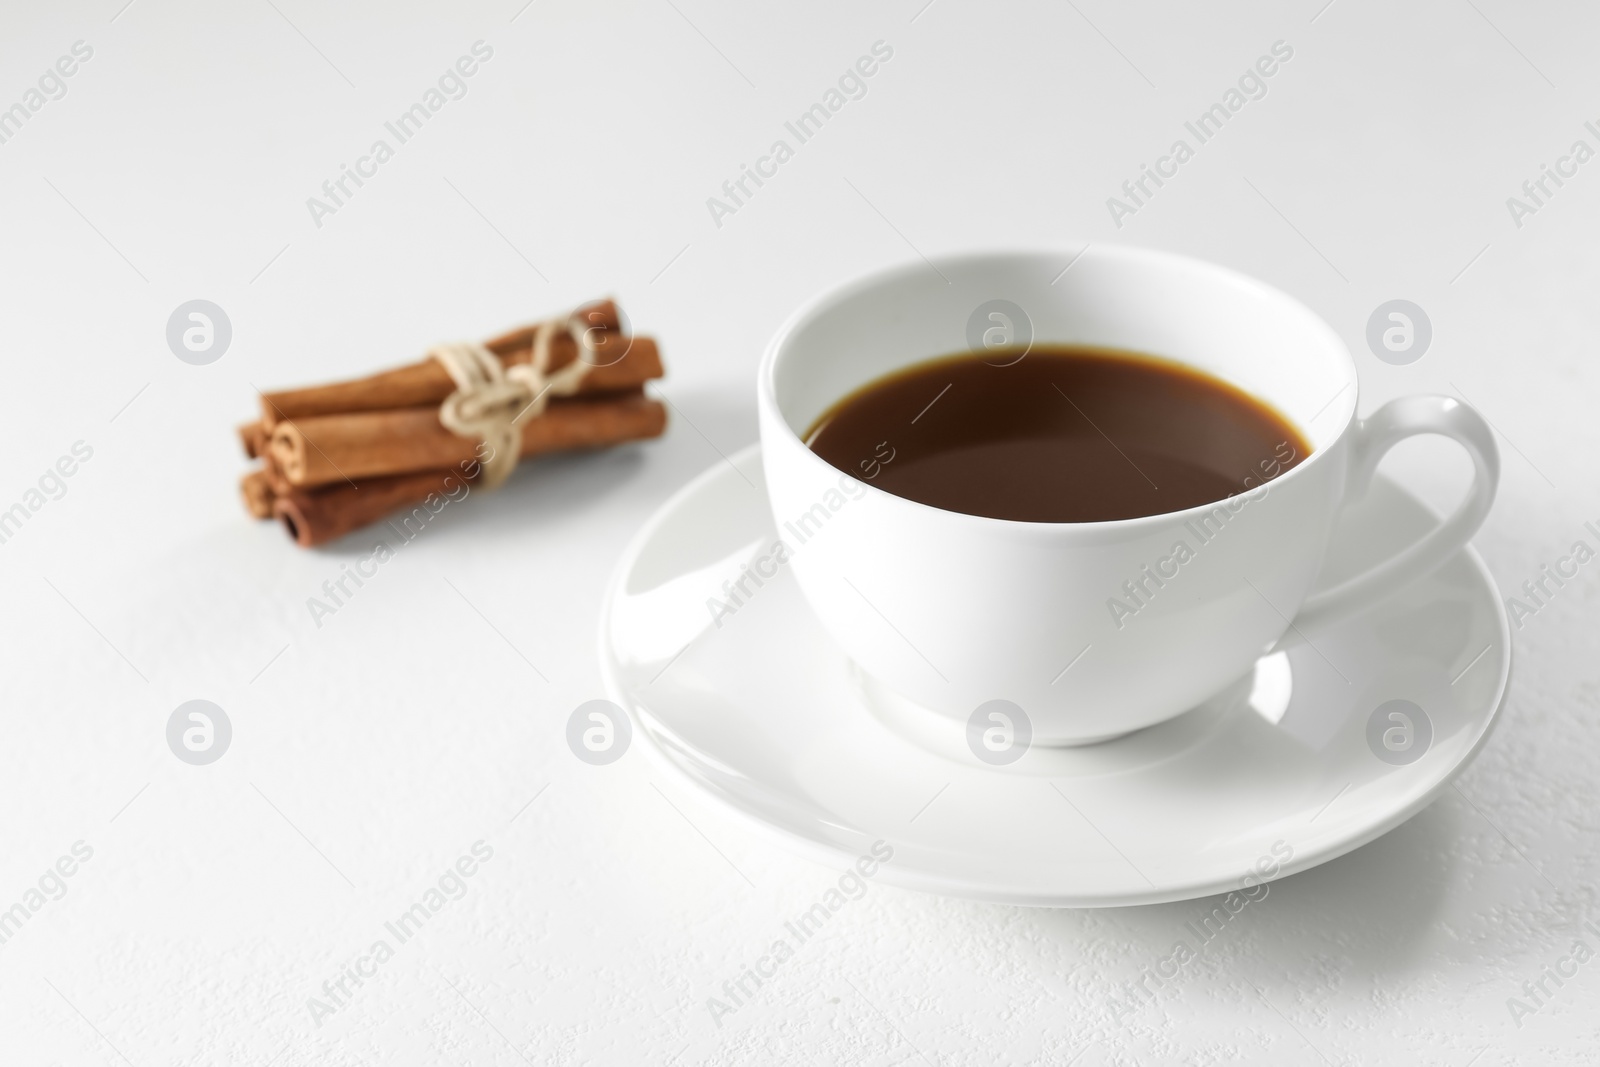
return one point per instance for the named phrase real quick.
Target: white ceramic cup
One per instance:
(952, 610)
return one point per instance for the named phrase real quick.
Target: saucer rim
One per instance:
(955, 887)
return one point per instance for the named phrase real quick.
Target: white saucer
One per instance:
(764, 716)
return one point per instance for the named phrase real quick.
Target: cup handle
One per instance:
(1374, 436)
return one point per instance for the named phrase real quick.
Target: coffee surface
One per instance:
(1063, 433)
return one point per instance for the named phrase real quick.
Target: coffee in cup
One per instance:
(1057, 433)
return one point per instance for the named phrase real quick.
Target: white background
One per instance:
(370, 752)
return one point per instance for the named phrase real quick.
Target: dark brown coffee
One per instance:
(1064, 433)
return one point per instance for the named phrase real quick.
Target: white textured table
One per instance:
(427, 713)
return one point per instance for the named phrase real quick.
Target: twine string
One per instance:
(492, 401)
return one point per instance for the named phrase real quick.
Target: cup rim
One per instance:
(821, 302)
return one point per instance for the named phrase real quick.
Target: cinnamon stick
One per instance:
(322, 450)
(253, 438)
(601, 315)
(314, 517)
(269, 466)
(256, 489)
(262, 486)
(620, 362)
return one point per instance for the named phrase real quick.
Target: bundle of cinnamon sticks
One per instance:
(337, 457)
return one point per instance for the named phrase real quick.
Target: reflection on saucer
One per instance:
(1271, 687)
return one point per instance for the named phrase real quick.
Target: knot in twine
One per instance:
(492, 401)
